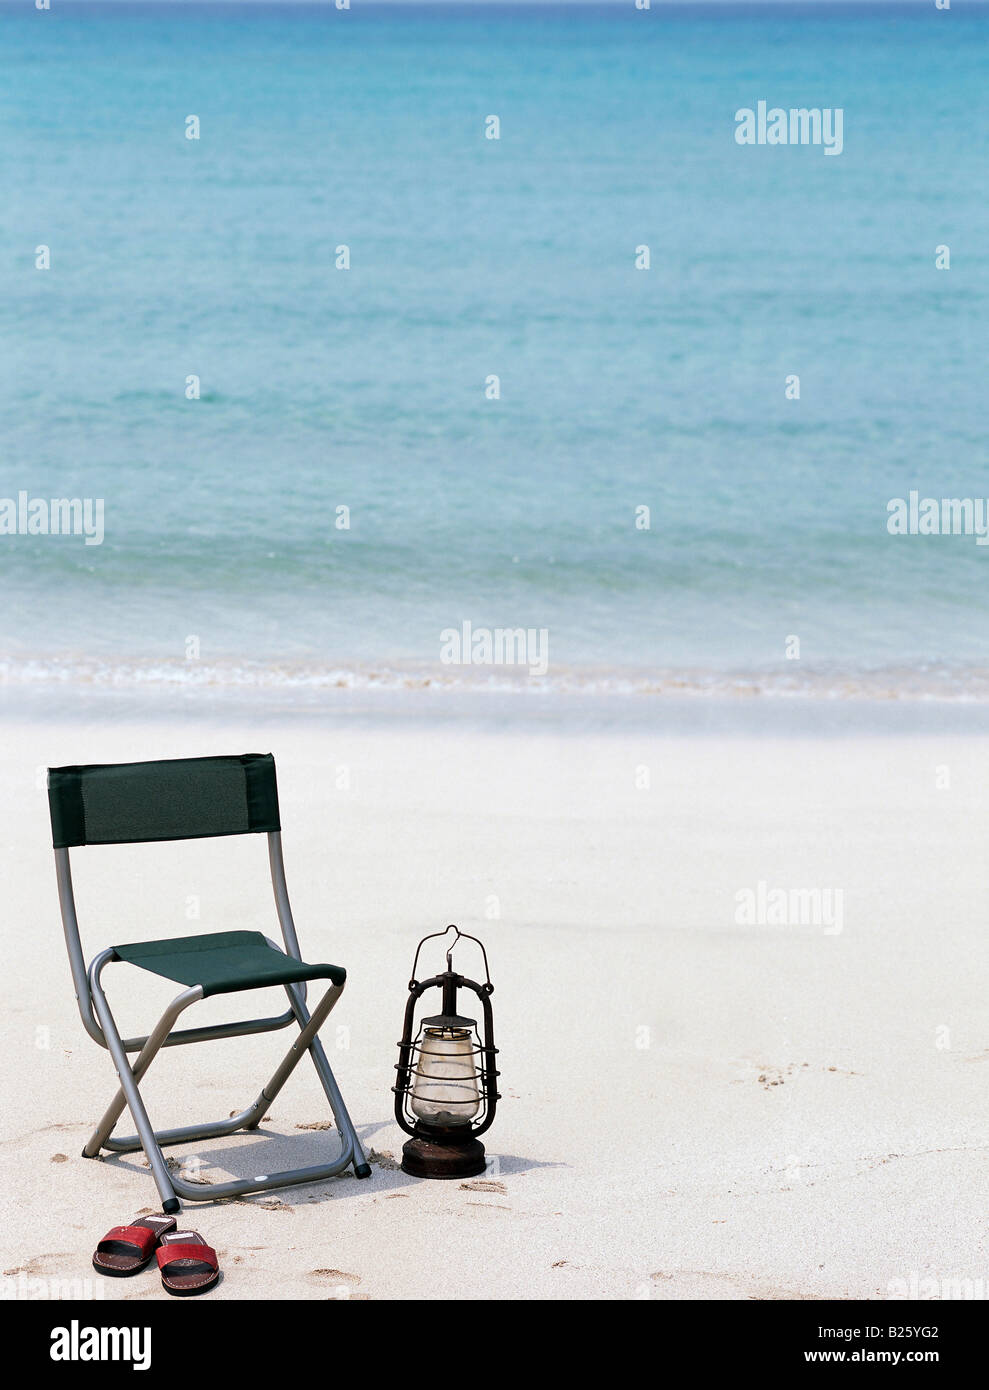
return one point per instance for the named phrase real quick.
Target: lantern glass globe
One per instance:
(445, 1090)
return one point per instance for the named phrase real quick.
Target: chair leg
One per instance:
(100, 1138)
(309, 1040)
(362, 1168)
(128, 1079)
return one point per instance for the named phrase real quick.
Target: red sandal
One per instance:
(188, 1265)
(126, 1250)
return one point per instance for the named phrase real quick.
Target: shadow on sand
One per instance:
(264, 1151)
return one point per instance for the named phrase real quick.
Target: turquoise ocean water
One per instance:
(470, 257)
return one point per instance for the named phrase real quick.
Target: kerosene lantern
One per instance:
(446, 1092)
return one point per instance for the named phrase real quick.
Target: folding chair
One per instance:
(183, 799)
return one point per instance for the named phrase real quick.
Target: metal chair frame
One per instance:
(100, 1024)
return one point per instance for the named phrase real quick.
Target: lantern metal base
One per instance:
(443, 1153)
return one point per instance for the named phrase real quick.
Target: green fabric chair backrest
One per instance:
(172, 799)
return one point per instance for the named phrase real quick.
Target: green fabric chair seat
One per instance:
(224, 962)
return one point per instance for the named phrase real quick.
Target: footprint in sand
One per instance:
(384, 1160)
(40, 1265)
(768, 1076)
(172, 1164)
(339, 1282)
(776, 1076)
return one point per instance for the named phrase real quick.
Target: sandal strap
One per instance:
(204, 1253)
(142, 1236)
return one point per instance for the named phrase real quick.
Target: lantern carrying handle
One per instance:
(488, 986)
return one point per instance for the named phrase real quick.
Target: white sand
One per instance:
(642, 1148)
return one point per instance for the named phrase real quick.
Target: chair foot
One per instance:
(171, 1206)
(362, 1170)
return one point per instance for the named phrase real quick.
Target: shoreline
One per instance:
(562, 712)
